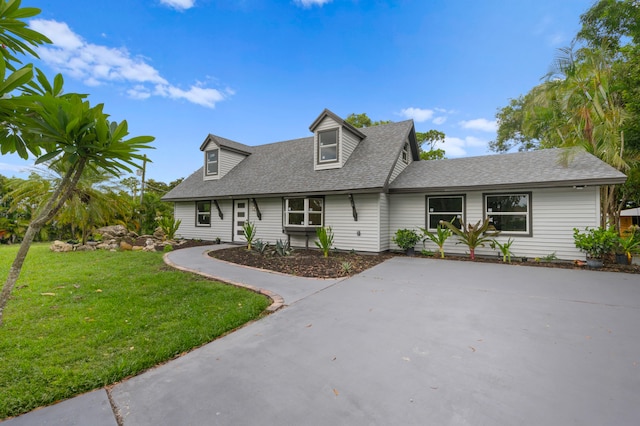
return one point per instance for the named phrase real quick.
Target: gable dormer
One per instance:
(221, 155)
(333, 141)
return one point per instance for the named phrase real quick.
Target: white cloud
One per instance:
(460, 147)
(417, 114)
(310, 3)
(96, 65)
(179, 4)
(439, 120)
(480, 124)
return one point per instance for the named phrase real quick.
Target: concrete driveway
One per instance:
(416, 342)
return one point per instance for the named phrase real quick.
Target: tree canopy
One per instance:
(590, 100)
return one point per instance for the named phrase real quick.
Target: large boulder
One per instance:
(113, 231)
(60, 246)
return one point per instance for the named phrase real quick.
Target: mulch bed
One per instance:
(311, 263)
(304, 263)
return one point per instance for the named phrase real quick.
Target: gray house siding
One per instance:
(227, 160)
(400, 166)
(554, 214)
(384, 222)
(186, 212)
(360, 235)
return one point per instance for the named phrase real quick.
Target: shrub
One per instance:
(325, 239)
(406, 238)
(473, 236)
(167, 248)
(169, 226)
(249, 230)
(439, 237)
(596, 242)
(505, 249)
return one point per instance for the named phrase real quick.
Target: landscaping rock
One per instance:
(113, 231)
(125, 246)
(60, 246)
(85, 247)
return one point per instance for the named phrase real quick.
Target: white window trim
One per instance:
(206, 162)
(203, 213)
(527, 214)
(337, 145)
(305, 212)
(460, 215)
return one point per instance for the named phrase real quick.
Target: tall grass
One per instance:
(82, 320)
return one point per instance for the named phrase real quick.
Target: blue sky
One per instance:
(260, 71)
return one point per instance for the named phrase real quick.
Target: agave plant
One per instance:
(473, 236)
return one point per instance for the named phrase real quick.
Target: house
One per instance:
(367, 183)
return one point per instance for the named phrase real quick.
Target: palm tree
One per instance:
(587, 113)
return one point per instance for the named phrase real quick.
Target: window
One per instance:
(328, 146)
(509, 213)
(203, 213)
(304, 211)
(405, 153)
(448, 208)
(211, 162)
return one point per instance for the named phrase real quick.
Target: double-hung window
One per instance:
(203, 213)
(328, 146)
(448, 208)
(304, 211)
(509, 213)
(211, 162)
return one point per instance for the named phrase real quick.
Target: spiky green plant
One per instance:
(473, 236)
(249, 230)
(325, 239)
(439, 237)
(505, 249)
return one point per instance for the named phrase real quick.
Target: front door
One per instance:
(241, 214)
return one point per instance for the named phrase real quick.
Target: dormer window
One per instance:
(405, 153)
(211, 162)
(328, 146)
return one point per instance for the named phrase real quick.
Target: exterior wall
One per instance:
(339, 216)
(227, 160)
(384, 222)
(270, 227)
(186, 212)
(554, 214)
(400, 165)
(326, 124)
(347, 143)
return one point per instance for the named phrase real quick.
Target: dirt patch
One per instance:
(304, 263)
(311, 263)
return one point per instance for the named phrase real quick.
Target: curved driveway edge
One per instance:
(282, 289)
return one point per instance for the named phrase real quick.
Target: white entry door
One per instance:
(241, 215)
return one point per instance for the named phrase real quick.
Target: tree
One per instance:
(75, 136)
(363, 120)
(431, 136)
(611, 22)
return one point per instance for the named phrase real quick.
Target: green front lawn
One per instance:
(82, 320)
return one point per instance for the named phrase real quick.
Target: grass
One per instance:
(82, 320)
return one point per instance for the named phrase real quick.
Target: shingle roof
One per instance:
(287, 168)
(532, 169)
(227, 143)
